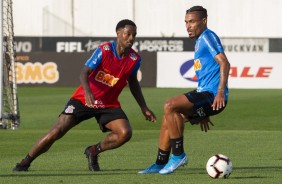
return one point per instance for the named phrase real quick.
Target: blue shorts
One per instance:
(103, 116)
(202, 105)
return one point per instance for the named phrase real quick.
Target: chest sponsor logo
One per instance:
(105, 78)
(197, 65)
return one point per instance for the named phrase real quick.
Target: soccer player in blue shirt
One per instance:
(210, 98)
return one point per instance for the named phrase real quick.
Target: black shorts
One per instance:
(103, 116)
(202, 105)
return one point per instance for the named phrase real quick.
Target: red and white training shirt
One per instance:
(109, 75)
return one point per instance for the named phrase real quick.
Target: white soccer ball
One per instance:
(219, 166)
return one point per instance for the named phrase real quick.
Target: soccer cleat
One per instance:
(155, 168)
(173, 163)
(21, 167)
(93, 164)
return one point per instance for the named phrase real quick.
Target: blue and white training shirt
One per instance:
(207, 46)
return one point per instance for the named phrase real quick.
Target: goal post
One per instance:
(9, 108)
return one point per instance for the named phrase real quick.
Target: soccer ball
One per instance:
(219, 166)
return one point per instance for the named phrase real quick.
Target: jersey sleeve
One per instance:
(136, 67)
(213, 43)
(95, 59)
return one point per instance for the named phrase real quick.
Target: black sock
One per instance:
(98, 148)
(162, 157)
(177, 146)
(95, 149)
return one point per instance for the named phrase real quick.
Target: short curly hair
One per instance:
(123, 23)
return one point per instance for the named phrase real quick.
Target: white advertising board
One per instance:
(248, 70)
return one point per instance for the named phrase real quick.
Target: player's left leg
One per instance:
(120, 133)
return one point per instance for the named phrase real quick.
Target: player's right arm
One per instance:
(88, 95)
(90, 65)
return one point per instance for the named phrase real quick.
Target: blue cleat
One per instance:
(155, 168)
(173, 163)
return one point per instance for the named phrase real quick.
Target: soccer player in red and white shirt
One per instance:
(105, 74)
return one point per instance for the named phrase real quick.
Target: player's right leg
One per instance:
(163, 151)
(60, 128)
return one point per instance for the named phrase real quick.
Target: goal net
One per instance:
(9, 111)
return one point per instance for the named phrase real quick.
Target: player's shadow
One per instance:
(37, 173)
(105, 172)
(248, 170)
(276, 168)
(269, 169)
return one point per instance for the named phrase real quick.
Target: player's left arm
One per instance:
(219, 100)
(205, 124)
(136, 91)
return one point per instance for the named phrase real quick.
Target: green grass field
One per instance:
(249, 131)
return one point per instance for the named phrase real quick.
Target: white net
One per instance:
(9, 102)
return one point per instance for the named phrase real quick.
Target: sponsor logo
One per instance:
(201, 112)
(22, 58)
(69, 109)
(250, 72)
(92, 45)
(97, 104)
(133, 56)
(106, 47)
(69, 47)
(159, 45)
(105, 78)
(245, 45)
(187, 71)
(37, 73)
(244, 48)
(23, 46)
(197, 65)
